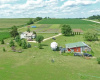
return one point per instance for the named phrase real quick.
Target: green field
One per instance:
(4, 35)
(23, 66)
(64, 21)
(8, 23)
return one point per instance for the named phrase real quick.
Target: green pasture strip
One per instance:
(4, 35)
(64, 21)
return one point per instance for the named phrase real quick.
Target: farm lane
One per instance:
(47, 38)
(92, 21)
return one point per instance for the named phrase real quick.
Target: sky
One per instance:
(49, 8)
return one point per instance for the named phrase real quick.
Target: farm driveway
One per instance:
(92, 21)
(47, 38)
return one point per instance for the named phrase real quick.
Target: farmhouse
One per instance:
(27, 35)
(77, 47)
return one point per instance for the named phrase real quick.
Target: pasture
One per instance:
(34, 63)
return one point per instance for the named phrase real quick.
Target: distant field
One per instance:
(4, 35)
(64, 21)
(6, 23)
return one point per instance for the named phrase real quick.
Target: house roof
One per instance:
(27, 33)
(77, 44)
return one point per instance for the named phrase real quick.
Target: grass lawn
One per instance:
(24, 66)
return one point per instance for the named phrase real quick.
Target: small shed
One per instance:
(33, 26)
(77, 47)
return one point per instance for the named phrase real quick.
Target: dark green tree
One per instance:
(39, 38)
(24, 45)
(2, 41)
(11, 43)
(14, 32)
(20, 42)
(66, 30)
(30, 22)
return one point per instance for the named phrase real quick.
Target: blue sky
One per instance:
(49, 8)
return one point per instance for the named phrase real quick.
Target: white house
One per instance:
(27, 35)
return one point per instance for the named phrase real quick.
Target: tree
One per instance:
(66, 30)
(39, 38)
(14, 32)
(34, 32)
(90, 36)
(11, 43)
(2, 41)
(20, 42)
(24, 45)
(28, 29)
(30, 22)
(17, 38)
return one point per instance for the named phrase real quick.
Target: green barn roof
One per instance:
(77, 44)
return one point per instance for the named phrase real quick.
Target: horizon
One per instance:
(49, 8)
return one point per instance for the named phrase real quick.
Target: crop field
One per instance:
(64, 21)
(4, 35)
(8, 23)
(34, 63)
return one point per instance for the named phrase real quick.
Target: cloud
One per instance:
(72, 3)
(7, 1)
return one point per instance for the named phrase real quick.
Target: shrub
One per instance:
(4, 50)
(29, 45)
(11, 43)
(2, 41)
(77, 33)
(19, 42)
(90, 36)
(24, 45)
(98, 59)
(17, 38)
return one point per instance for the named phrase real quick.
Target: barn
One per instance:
(77, 47)
(33, 26)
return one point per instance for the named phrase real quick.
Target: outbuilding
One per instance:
(77, 47)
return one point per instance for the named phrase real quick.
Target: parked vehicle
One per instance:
(87, 55)
(77, 54)
(54, 38)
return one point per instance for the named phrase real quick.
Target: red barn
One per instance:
(77, 47)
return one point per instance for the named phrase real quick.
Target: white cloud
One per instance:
(7, 1)
(72, 3)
